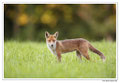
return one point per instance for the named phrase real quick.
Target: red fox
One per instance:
(80, 45)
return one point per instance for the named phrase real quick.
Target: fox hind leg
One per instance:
(79, 55)
(86, 56)
(84, 52)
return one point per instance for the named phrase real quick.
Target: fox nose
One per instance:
(52, 45)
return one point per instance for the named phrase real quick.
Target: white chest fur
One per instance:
(52, 49)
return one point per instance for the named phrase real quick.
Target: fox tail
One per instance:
(97, 52)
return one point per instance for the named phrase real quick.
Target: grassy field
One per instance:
(34, 60)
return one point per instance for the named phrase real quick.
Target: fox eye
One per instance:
(53, 40)
(48, 40)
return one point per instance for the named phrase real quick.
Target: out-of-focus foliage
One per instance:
(29, 22)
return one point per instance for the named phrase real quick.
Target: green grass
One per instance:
(34, 60)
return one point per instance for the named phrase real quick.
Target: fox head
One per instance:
(51, 39)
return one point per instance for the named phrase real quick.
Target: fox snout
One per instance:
(52, 45)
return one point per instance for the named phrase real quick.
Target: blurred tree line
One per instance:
(89, 21)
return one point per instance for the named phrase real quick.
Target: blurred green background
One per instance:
(93, 22)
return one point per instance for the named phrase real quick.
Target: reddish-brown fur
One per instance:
(81, 46)
(51, 39)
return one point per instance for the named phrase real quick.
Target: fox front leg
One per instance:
(59, 57)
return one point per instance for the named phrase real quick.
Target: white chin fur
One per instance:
(52, 49)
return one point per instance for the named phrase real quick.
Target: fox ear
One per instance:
(46, 34)
(56, 34)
